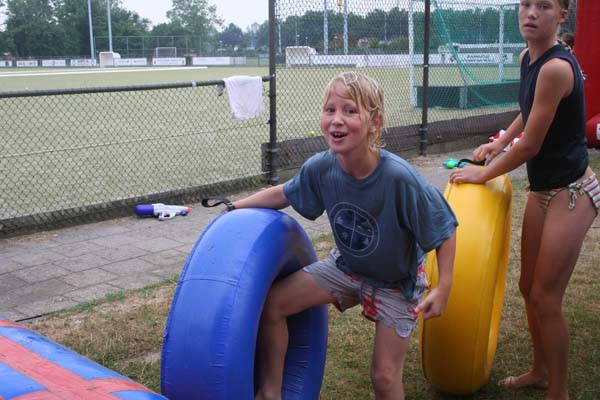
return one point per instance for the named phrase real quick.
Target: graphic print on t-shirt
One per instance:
(355, 229)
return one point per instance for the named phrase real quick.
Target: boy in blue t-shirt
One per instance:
(384, 217)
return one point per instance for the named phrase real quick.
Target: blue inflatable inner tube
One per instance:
(210, 338)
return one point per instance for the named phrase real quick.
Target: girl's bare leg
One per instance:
(291, 295)
(562, 237)
(531, 234)
(388, 363)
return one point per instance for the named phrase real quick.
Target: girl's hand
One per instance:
(488, 151)
(468, 175)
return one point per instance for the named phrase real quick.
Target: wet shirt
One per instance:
(383, 224)
(563, 157)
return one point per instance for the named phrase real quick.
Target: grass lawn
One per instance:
(69, 151)
(124, 332)
(64, 78)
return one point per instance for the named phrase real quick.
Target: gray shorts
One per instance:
(389, 306)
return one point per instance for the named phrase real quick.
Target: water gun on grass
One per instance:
(161, 210)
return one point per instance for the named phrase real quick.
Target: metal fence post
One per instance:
(423, 128)
(272, 148)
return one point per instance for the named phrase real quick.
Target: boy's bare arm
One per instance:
(445, 258)
(436, 301)
(272, 197)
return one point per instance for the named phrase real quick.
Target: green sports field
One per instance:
(17, 79)
(61, 78)
(69, 151)
(299, 90)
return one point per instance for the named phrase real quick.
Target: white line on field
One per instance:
(109, 71)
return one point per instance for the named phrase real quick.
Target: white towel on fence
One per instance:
(245, 96)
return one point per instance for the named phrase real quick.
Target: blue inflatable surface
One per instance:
(36, 368)
(210, 338)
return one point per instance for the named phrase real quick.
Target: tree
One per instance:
(231, 36)
(32, 27)
(399, 44)
(170, 29)
(128, 23)
(195, 15)
(6, 45)
(73, 17)
(262, 36)
(198, 18)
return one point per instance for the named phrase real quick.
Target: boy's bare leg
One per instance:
(388, 363)
(290, 296)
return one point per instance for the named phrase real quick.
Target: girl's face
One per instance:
(539, 19)
(344, 126)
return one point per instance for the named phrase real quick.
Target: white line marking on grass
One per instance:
(4, 74)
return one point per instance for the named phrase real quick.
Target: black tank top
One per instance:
(563, 157)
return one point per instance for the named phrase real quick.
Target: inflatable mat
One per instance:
(210, 338)
(458, 349)
(34, 367)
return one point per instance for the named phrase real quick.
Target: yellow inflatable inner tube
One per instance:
(458, 349)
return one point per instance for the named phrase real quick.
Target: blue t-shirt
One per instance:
(383, 224)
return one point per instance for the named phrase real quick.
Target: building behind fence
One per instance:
(78, 155)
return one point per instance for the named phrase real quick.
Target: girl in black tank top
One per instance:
(563, 156)
(560, 206)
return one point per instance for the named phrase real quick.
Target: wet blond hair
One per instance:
(564, 4)
(367, 95)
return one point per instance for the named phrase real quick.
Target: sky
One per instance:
(243, 13)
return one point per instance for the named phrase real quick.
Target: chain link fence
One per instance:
(385, 40)
(78, 155)
(471, 68)
(145, 46)
(176, 46)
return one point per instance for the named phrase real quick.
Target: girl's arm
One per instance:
(272, 197)
(516, 126)
(555, 82)
(436, 301)
(489, 151)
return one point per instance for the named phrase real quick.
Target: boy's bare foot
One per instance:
(527, 380)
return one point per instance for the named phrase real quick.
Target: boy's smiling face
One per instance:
(344, 126)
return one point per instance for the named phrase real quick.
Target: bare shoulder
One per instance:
(558, 75)
(557, 65)
(523, 52)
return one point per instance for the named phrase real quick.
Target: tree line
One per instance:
(46, 28)
(380, 30)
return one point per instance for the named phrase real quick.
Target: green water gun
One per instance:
(453, 163)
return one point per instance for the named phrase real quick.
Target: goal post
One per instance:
(108, 58)
(165, 52)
